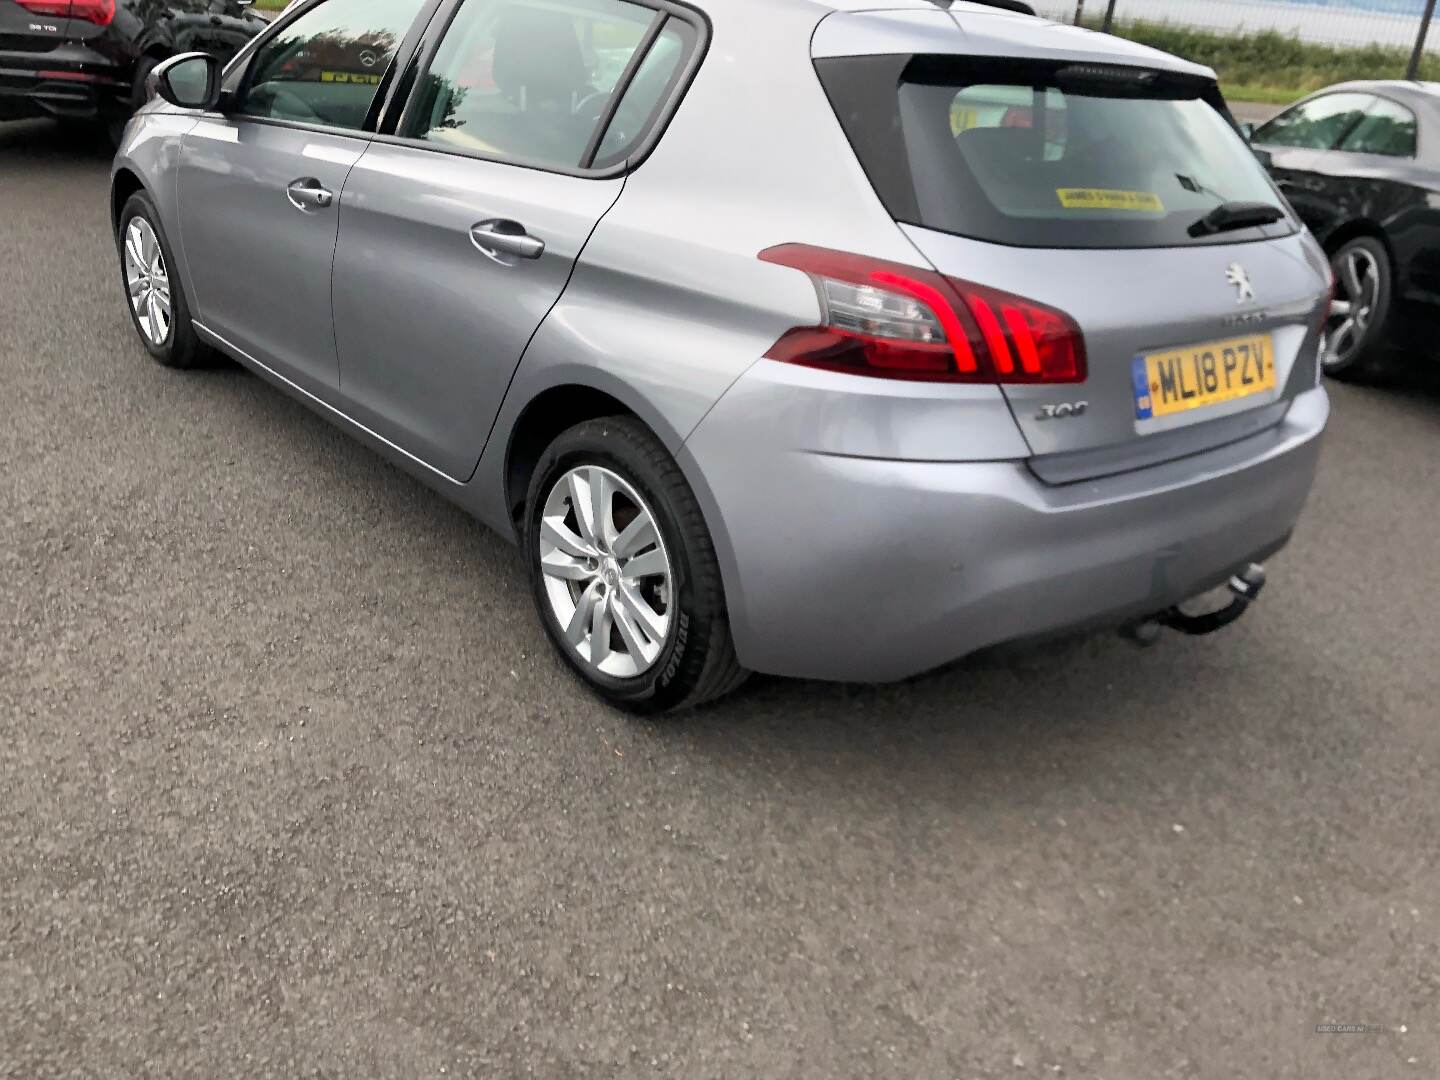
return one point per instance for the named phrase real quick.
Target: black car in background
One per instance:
(1360, 163)
(86, 60)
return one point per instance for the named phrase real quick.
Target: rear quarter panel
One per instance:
(670, 303)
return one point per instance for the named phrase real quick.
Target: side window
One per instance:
(1316, 125)
(1387, 129)
(647, 93)
(528, 80)
(326, 66)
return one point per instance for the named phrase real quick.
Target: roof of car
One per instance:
(908, 5)
(1426, 92)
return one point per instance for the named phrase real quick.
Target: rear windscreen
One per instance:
(1046, 155)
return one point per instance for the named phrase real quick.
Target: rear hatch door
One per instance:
(1180, 358)
(1096, 188)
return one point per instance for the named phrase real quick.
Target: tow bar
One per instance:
(1244, 587)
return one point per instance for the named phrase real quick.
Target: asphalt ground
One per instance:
(293, 786)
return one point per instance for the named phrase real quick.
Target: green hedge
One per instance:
(1271, 66)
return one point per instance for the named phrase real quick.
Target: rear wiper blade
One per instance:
(1236, 215)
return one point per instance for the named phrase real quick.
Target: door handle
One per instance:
(498, 238)
(307, 194)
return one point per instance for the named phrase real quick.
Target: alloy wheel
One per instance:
(607, 574)
(1357, 297)
(147, 281)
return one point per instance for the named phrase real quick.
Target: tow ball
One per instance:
(1244, 589)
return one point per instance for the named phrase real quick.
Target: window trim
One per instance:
(859, 89)
(659, 111)
(1310, 101)
(622, 87)
(241, 67)
(398, 112)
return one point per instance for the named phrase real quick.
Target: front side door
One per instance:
(259, 187)
(459, 233)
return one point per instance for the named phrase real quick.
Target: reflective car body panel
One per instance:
(234, 211)
(865, 528)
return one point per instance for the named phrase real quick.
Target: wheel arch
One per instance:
(587, 394)
(550, 412)
(1367, 228)
(1353, 229)
(125, 183)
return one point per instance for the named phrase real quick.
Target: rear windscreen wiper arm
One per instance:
(1236, 215)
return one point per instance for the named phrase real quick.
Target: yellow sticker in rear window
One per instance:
(963, 119)
(1145, 202)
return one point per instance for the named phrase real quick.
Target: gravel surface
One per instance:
(294, 787)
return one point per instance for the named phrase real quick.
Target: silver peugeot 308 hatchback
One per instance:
(827, 338)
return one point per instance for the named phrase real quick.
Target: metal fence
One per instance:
(1396, 23)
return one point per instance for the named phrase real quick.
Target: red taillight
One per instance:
(99, 12)
(900, 322)
(57, 9)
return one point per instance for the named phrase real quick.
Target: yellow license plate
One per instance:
(1178, 380)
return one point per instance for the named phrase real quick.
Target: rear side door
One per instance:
(459, 229)
(259, 185)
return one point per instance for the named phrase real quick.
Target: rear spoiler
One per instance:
(1017, 6)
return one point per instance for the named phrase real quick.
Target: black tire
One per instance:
(1356, 344)
(181, 347)
(697, 661)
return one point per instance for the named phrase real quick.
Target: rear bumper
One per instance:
(864, 569)
(70, 81)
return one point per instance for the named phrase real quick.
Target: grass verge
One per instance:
(1272, 67)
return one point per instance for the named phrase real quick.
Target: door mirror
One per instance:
(190, 80)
